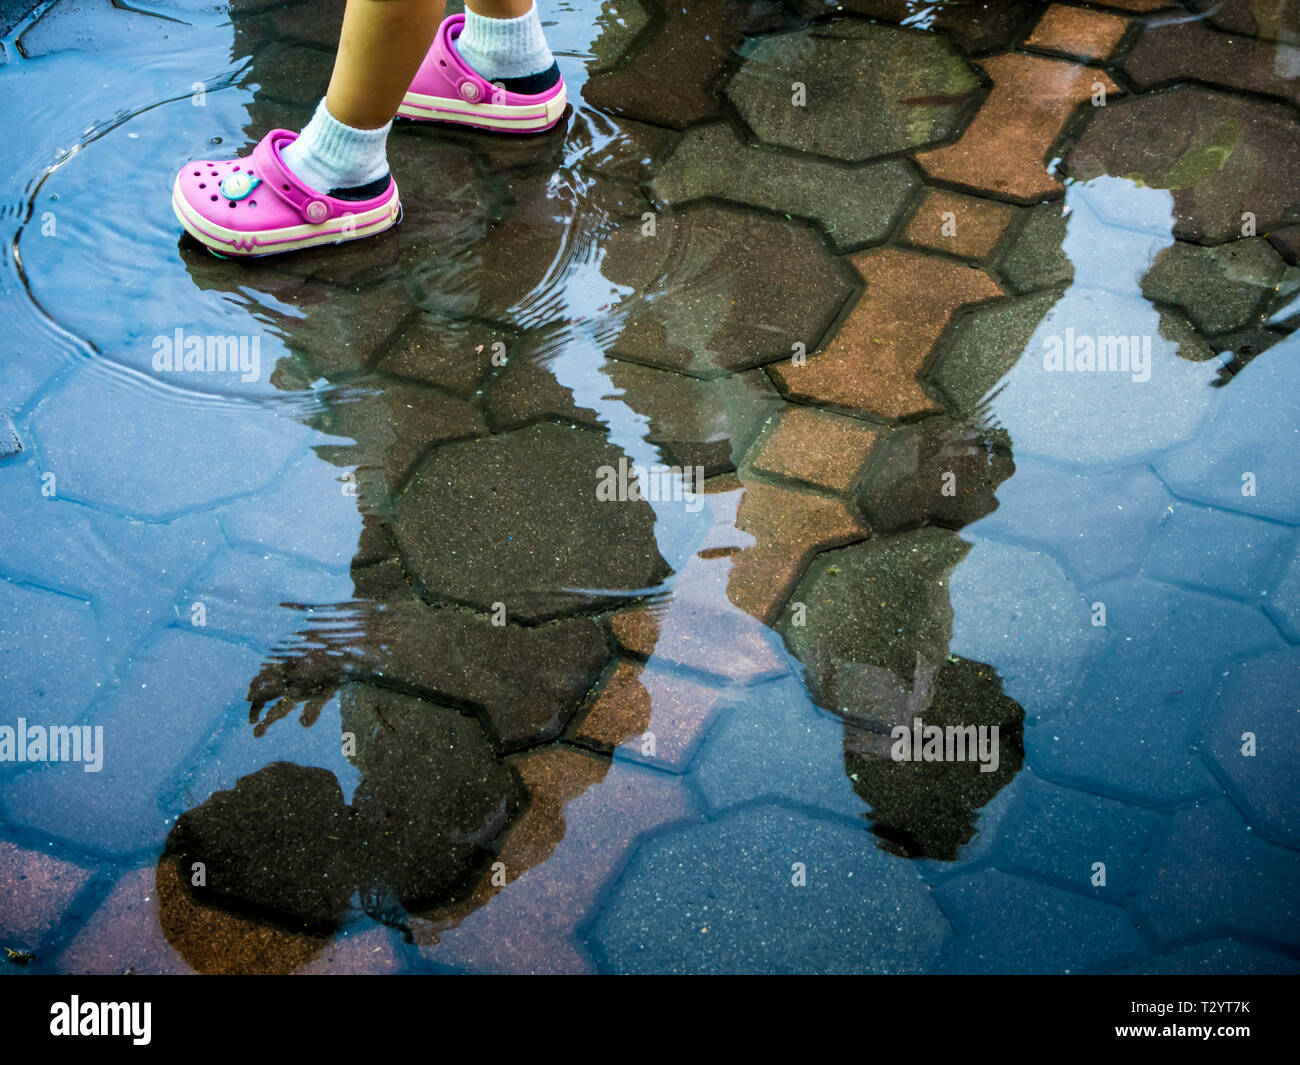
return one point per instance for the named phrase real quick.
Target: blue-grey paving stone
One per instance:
(718, 897)
(1089, 418)
(1219, 957)
(1261, 697)
(1283, 603)
(153, 454)
(1100, 525)
(1015, 609)
(1130, 728)
(9, 443)
(127, 569)
(163, 713)
(1221, 288)
(254, 597)
(1216, 877)
(775, 744)
(1009, 924)
(1217, 550)
(1254, 430)
(1036, 258)
(1059, 833)
(305, 513)
(52, 656)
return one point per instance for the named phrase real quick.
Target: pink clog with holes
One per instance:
(255, 206)
(446, 90)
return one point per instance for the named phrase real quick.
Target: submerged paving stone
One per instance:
(1272, 20)
(1252, 737)
(123, 934)
(987, 26)
(983, 346)
(36, 891)
(1216, 170)
(432, 797)
(1283, 603)
(1060, 833)
(788, 528)
(860, 911)
(1192, 51)
(937, 471)
(1036, 257)
(669, 80)
(872, 363)
(1218, 551)
(1145, 693)
(1245, 457)
(154, 437)
(649, 714)
(1219, 956)
(527, 681)
(856, 206)
(280, 842)
(456, 356)
(959, 225)
(1099, 526)
(870, 90)
(1005, 147)
(1022, 926)
(516, 519)
(709, 424)
(1076, 31)
(726, 290)
(525, 391)
(53, 655)
(1221, 288)
(815, 446)
(1215, 877)
(774, 745)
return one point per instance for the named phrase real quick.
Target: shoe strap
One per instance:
(312, 205)
(470, 86)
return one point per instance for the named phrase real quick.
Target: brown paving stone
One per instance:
(1078, 32)
(35, 891)
(208, 937)
(637, 631)
(815, 446)
(1191, 50)
(788, 527)
(1005, 146)
(873, 362)
(584, 820)
(960, 225)
(640, 701)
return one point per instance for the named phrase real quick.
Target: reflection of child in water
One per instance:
(490, 68)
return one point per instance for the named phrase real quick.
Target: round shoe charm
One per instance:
(237, 186)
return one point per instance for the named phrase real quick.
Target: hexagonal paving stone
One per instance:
(1261, 697)
(855, 206)
(516, 519)
(1237, 155)
(1271, 20)
(991, 25)
(1245, 458)
(1220, 289)
(725, 290)
(620, 22)
(1192, 51)
(860, 911)
(870, 90)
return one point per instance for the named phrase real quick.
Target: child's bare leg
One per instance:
(381, 47)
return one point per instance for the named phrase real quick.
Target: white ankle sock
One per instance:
(329, 155)
(504, 47)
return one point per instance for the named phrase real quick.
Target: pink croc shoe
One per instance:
(255, 205)
(447, 90)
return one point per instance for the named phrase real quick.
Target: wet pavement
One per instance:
(400, 666)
